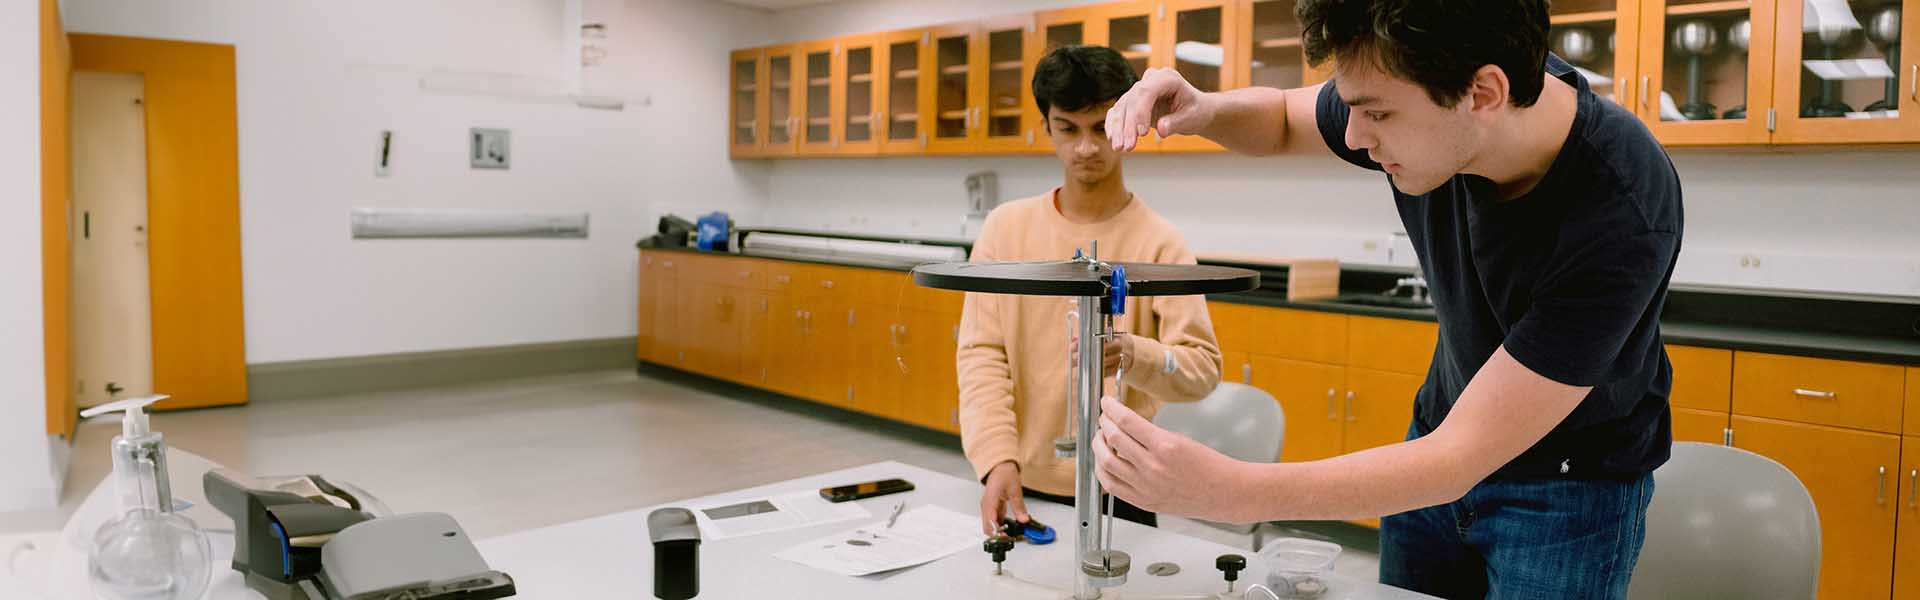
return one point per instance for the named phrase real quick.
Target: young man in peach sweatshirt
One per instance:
(1014, 351)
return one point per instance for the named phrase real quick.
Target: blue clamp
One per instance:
(1116, 303)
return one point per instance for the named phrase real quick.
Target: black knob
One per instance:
(1231, 564)
(998, 546)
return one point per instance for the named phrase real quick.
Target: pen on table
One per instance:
(896, 514)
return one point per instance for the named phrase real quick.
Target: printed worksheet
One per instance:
(921, 535)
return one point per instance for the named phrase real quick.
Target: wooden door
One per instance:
(953, 97)
(1309, 398)
(747, 108)
(1198, 38)
(783, 97)
(814, 97)
(1693, 89)
(1906, 554)
(1852, 476)
(1379, 407)
(857, 95)
(1867, 86)
(113, 324)
(1599, 37)
(904, 93)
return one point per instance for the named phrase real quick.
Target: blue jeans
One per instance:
(1560, 539)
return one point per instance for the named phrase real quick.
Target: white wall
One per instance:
(26, 479)
(1828, 221)
(319, 79)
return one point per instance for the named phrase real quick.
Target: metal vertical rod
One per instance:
(1086, 487)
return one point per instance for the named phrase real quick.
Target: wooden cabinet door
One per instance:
(1840, 393)
(1599, 36)
(783, 96)
(1852, 478)
(814, 97)
(1906, 554)
(747, 107)
(832, 344)
(1315, 336)
(1005, 115)
(1392, 345)
(786, 346)
(1308, 396)
(643, 343)
(905, 91)
(1913, 402)
(872, 359)
(1268, 49)
(1868, 85)
(1696, 91)
(1702, 378)
(1378, 407)
(1059, 28)
(1198, 38)
(857, 95)
(1705, 426)
(931, 397)
(952, 56)
(1236, 367)
(756, 309)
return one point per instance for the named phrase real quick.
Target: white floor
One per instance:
(509, 456)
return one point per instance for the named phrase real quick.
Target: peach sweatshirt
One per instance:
(1012, 358)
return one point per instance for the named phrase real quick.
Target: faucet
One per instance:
(1417, 286)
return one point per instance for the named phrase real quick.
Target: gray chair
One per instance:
(1727, 523)
(1237, 420)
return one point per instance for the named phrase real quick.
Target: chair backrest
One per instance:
(1237, 420)
(1727, 523)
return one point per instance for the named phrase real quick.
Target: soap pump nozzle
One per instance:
(139, 455)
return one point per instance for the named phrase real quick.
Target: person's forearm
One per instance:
(1379, 481)
(1251, 120)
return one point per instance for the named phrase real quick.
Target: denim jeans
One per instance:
(1560, 539)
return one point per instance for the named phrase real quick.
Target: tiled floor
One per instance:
(509, 456)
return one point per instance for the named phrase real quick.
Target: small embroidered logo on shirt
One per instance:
(1564, 467)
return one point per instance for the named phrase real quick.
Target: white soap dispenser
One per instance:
(147, 552)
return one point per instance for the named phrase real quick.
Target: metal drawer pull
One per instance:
(1350, 417)
(1643, 90)
(1330, 412)
(1913, 479)
(826, 283)
(1913, 83)
(1880, 497)
(783, 279)
(1806, 393)
(1246, 374)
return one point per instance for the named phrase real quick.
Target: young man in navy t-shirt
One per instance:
(1547, 221)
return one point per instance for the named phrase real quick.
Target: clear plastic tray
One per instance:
(1296, 567)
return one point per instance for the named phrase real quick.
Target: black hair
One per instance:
(1436, 44)
(1077, 77)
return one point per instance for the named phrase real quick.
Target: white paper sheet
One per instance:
(766, 515)
(922, 535)
(1850, 68)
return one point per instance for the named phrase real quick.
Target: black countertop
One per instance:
(1844, 329)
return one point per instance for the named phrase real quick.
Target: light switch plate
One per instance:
(489, 148)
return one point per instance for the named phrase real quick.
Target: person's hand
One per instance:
(1118, 350)
(1161, 100)
(1002, 495)
(1159, 470)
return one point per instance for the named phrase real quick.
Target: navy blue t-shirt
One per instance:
(1569, 277)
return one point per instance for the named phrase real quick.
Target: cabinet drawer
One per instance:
(730, 271)
(1820, 391)
(1395, 345)
(785, 277)
(1232, 325)
(1307, 335)
(1702, 378)
(1706, 426)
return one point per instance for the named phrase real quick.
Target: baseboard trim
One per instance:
(334, 376)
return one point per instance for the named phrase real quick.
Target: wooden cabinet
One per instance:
(1906, 553)
(1197, 38)
(1848, 78)
(904, 95)
(1702, 378)
(813, 97)
(1852, 476)
(1378, 407)
(1705, 426)
(781, 121)
(1302, 335)
(1393, 345)
(1232, 326)
(1913, 402)
(648, 301)
(1696, 86)
(747, 110)
(1309, 396)
(980, 97)
(1267, 48)
(1236, 367)
(1822, 391)
(857, 95)
(1598, 36)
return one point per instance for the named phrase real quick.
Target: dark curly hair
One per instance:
(1076, 77)
(1436, 44)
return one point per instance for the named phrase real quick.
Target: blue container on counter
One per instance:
(713, 231)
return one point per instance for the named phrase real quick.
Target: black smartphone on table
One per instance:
(865, 490)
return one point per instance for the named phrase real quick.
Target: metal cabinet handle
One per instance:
(1913, 83)
(1880, 497)
(1330, 413)
(1913, 480)
(1643, 90)
(667, 264)
(1350, 417)
(746, 274)
(1806, 393)
(1246, 373)
(783, 279)
(826, 283)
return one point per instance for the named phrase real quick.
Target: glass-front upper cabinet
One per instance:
(952, 51)
(1847, 71)
(747, 110)
(1005, 113)
(1198, 40)
(1130, 30)
(904, 95)
(816, 98)
(1705, 71)
(1081, 25)
(856, 97)
(782, 107)
(1598, 38)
